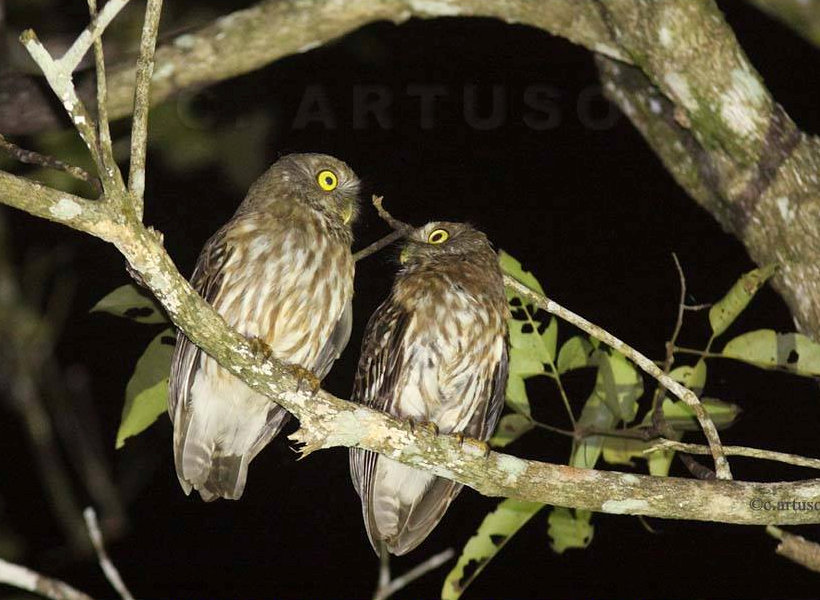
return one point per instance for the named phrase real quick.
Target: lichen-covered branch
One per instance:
(241, 42)
(700, 104)
(704, 110)
(327, 421)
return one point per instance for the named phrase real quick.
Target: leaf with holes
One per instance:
(512, 267)
(724, 312)
(575, 353)
(510, 428)
(493, 533)
(524, 337)
(569, 529)
(767, 349)
(131, 302)
(146, 395)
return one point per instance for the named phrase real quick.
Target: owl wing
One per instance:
(376, 385)
(206, 280)
(377, 377)
(484, 424)
(336, 343)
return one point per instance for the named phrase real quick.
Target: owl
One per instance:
(281, 273)
(434, 352)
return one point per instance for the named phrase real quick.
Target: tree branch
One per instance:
(241, 42)
(782, 457)
(705, 112)
(327, 421)
(31, 581)
(722, 470)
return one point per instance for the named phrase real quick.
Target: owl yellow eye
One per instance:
(327, 180)
(438, 236)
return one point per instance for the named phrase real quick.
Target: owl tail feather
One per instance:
(212, 474)
(203, 465)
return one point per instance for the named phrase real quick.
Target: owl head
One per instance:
(322, 182)
(441, 240)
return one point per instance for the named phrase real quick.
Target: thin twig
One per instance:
(659, 422)
(31, 581)
(30, 157)
(432, 563)
(660, 393)
(687, 396)
(388, 218)
(111, 572)
(110, 171)
(142, 104)
(60, 82)
(782, 457)
(796, 548)
(81, 45)
(379, 244)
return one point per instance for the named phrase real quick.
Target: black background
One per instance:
(590, 211)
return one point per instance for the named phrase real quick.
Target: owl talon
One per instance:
(474, 446)
(410, 424)
(305, 377)
(430, 427)
(260, 348)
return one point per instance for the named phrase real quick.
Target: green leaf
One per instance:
(146, 395)
(621, 450)
(595, 415)
(619, 384)
(493, 533)
(524, 364)
(550, 339)
(574, 354)
(723, 314)
(131, 302)
(569, 529)
(766, 349)
(692, 377)
(517, 395)
(512, 267)
(681, 418)
(510, 428)
(535, 346)
(660, 462)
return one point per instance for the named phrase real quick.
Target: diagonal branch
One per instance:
(31, 581)
(327, 421)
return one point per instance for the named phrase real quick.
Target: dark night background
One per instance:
(590, 211)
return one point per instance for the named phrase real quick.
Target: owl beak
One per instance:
(349, 211)
(404, 255)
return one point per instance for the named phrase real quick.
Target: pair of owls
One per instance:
(281, 273)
